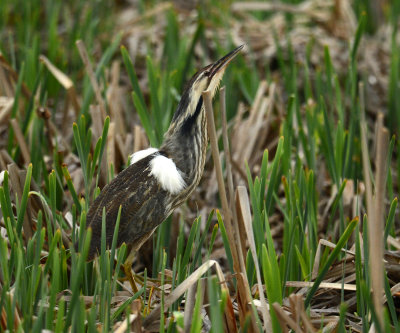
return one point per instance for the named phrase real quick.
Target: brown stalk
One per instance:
(137, 138)
(111, 147)
(255, 126)
(243, 287)
(264, 130)
(89, 69)
(245, 128)
(17, 182)
(376, 219)
(240, 234)
(375, 205)
(65, 81)
(97, 129)
(238, 120)
(6, 88)
(244, 204)
(322, 285)
(6, 157)
(97, 123)
(364, 151)
(393, 242)
(240, 238)
(303, 315)
(294, 305)
(285, 320)
(6, 107)
(21, 140)
(114, 99)
(317, 260)
(3, 164)
(136, 325)
(226, 146)
(221, 186)
(3, 63)
(190, 301)
(128, 144)
(121, 147)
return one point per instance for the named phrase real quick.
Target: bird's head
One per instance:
(208, 78)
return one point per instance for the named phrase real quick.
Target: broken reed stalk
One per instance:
(322, 285)
(21, 140)
(221, 186)
(244, 205)
(243, 288)
(240, 237)
(226, 142)
(226, 145)
(299, 320)
(89, 69)
(364, 150)
(6, 109)
(111, 158)
(114, 100)
(228, 164)
(284, 319)
(65, 81)
(207, 98)
(6, 89)
(375, 204)
(242, 151)
(17, 178)
(376, 220)
(15, 76)
(240, 231)
(190, 301)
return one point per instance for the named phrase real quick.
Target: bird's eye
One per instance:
(207, 73)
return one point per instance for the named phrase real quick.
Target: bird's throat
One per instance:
(187, 143)
(191, 120)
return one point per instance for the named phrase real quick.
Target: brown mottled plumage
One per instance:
(146, 195)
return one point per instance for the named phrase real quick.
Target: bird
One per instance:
(157, 181)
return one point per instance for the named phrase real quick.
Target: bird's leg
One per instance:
(131, 257)
(128, 270)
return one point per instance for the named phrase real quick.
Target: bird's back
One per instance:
(144, 205)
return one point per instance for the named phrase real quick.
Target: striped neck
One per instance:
(186, 145)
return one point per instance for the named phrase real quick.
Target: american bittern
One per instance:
(158, 180)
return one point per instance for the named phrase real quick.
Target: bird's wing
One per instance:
(142, 201)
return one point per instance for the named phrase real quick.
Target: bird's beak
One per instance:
(224, 61)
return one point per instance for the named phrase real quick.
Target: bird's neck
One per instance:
(186, 144)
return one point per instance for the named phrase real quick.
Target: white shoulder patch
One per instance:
(141, 154)
(169, 177)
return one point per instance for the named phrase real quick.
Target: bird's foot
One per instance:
(130, 277)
